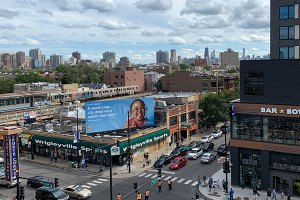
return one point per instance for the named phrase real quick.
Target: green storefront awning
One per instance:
(66, 143)
(184, 124)
(145, 140)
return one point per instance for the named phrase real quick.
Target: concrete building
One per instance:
(56, 60)
(7, 61)
(151, 79)
(76, 55)
(124, 62)
(109, 56)
(162, 57)
(20, 56)
(284, 29)
(229, 58)
(129, 77)
(173, 56)
(206, 54)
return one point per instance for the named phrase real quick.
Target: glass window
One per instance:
(287, 12)
(183, 117)
(173, 120)
(283, 52)
(291, 12)
(254, 83)
(291, 53)
(284, 32)
(192, 115)
(291, 32)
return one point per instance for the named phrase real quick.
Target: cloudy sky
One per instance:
(134, 28)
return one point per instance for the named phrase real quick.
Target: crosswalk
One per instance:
(94, 183)
(173, 179)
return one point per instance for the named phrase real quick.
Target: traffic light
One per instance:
(135, 187)
(56, 183)
(22, 194)
(226, 167)
(159, 172)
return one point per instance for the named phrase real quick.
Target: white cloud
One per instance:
(5, 41)
(100, 5)
(154, 5)
(176, 41)
(152, 33)
(116, 25)
(8, 13)
(253, 38)
(29, 41)
(206, 39)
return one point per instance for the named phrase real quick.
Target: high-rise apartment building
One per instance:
(229, 58)
(109, 56)
(20, 56)
(35, 54)
(7, 60)
(206, 54)
(124, 62)
(244, 54)
(284, 29)
(56, 60)
(162, 57)
(173, 56)
(76, 55)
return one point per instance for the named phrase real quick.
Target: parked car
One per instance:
(193, 144)
(208, 157)
(195, 153)
(178, 151)
(39, 181)
(163, 160)
(46, 193)
(77, 192)
(216, 134)
(178, 162)
(207, 138)
(207, 146)
(7, 183)
(221, 150)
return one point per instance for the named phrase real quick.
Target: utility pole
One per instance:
(77, 138)
(128, 144)
(110, 175)
(226, 159)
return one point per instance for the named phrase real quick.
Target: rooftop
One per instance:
(174, 94)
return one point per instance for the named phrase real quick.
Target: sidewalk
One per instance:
(244, 194)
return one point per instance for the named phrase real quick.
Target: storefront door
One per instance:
(250, 176)
(280, 184)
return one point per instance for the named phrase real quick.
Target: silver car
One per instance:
(208, 157)
(77, 191)
(195, 153)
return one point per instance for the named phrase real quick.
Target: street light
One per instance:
(226, 160)
(128, 144)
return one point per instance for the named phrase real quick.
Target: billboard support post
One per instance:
(128, 145)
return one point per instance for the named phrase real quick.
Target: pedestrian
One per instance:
(231, 194)
(274, 194)
(131, 159)
(51, 158)
(170, 184)
(159, 184)
(282, 195)
(197, 196)
(199, 181)
(269, 194)
(224, 185)
(210, 183)
(55, 157)
(147, 194)
(255, 194)
(100, 169)
(139, 196)
(119, 196)
(289, 195)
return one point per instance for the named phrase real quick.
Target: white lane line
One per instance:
(148, 175)
(86, 186)
(97, 182)
(154, 176)
(143, 174)
(181, 180)
(92, 184)
(173, 179)
(167, 172)
(162, 176)
(101, 179)
(188, 182)
(195, 183)
(168, 178)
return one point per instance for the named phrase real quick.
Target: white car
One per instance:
(207, 138)
(217, 133)
(77, 192)
(208, 157)
(7, 183)
(195, 153)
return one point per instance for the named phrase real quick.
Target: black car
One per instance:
(207, 146)
(193, 144)
(178, 151)
(39, 181)
(221, 150)
(163, 160)
(45, 193)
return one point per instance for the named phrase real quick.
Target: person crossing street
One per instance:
(139, 196)
(159, 184)
(119, 197)
(147, 194)
(170, 184)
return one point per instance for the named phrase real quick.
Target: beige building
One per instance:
(229, 58)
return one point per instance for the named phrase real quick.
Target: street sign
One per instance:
(115, 151)
(154, 181)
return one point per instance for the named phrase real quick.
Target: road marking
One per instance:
(166, 172)
(149, 175)
(195, 183)
(168, 178)
(143, 174)
(173, 179)
(101, 179)
(162, 176)
(154, 176)
(97, 182)
(86, 186)
(181, 180)
(92, 184)
(188, 182)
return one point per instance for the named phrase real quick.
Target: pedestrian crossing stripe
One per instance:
(154, 176)
(97, 182)
(143, 174)
(162, 176)
(168, 178)
(149, 175)
(86, 186)
(173, 179)
(181, 180)
(188, 182)
(101, 179)
(195, 183)
(92, 184)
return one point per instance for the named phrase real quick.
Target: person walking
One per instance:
(197, 196)
(210, 183)
(119, 196)
(55, 157)
(224, 185)
(255, 193)
(170, 184)
(147, 194)
(269, 194)
(51, 158)
(274, 194)
(289, 195)
(231, 194)
(159, 184)
(139, 196)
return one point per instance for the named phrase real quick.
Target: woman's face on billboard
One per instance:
(138, 110)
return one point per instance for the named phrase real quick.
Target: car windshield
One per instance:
(176, 151)
(222, 146)
(192, 144)
(194, 151)
(205, 137)
(205, 156)
(176, 161)
(215, 132)
(58, 193)
(205, 145)
(78, 188)
(161, 158)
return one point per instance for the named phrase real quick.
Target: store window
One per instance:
(254, 83)
(248, 127)
(183, 117)
(287, 32)
(192, 115)
(173, 120)
(287, 12)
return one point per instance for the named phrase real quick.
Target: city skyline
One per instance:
(136, 29)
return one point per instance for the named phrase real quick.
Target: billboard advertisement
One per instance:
(7, 157)
(11, 156)
(113, 114)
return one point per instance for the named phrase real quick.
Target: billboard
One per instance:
(11, 156)
(113, 114)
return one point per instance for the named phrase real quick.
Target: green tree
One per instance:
(7, 85)
(184, 67)
(32, 77)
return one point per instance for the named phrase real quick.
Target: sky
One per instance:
(134, 28)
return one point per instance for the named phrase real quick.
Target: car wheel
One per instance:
(29, 184)
(79, 197)
(7, 185)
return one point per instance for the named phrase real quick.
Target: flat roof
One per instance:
(174, 94)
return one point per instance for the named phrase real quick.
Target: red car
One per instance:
(178, 162)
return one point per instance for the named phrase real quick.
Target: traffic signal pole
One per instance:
(128, 144)
(110, 175)
(226, 174)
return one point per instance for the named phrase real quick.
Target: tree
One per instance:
(7, 85)
(184, 67)
(32, 77)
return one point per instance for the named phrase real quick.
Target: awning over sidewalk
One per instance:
(65, 143)
(145, 140)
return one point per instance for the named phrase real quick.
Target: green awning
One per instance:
(66, 143)
(184, 124)
(145, 140)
